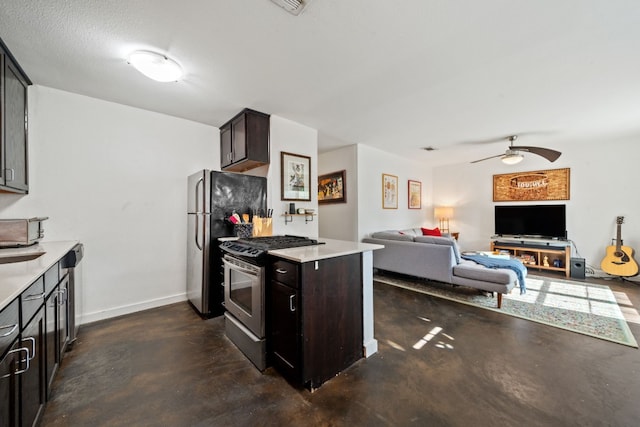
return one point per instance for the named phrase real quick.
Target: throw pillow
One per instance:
(430, 232)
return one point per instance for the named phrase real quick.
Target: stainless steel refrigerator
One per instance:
(213, 197)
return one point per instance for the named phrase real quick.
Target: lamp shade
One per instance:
(156, 66)
(443, 212)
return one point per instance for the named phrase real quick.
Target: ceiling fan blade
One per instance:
(487, 158)
(547, 153)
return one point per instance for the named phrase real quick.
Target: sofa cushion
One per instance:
(392, 235)
(412, 232)
(431, 232)
(471, 270)
(441, 241)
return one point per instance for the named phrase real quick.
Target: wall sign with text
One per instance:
(535, 185)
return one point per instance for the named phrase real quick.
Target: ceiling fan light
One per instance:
(512, 158)
(156, 66)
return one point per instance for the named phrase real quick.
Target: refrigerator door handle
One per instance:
(200, 181)
(198, 244)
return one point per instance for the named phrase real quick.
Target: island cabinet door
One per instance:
(331, 317)
(285, 330)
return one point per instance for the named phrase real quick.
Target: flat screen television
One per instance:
(545, 221)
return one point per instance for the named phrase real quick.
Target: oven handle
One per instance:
(237, 267)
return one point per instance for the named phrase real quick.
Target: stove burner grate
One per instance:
(254, 249)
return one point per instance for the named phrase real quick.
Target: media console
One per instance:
(532, 252)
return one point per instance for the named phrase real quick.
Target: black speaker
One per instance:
(577, 268)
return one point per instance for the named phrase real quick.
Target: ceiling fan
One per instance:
(513, 154)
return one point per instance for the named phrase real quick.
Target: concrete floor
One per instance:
(167, 367)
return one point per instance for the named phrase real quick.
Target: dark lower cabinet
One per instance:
(57, 332)
(32, 391)
(62, 327)
(315, 313)
(51, 309)
(285, 327)
(34, 332)
(9, 387)
(33, 336)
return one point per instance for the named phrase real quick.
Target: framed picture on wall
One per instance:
(332, 188)
(296, 176)
(389, 191)
(415, 194)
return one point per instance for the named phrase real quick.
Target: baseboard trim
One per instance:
(131, 308)
(370, 348)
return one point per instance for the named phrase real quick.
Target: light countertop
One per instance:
(16, 277)
(330, 249)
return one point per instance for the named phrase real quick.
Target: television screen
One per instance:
(548, 221)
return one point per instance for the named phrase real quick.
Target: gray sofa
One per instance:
(436, 258)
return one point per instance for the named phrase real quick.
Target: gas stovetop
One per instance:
(257, 247)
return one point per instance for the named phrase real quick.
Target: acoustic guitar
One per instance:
(619, 259)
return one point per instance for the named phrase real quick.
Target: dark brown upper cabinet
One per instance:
(244, 141)
(14, 167)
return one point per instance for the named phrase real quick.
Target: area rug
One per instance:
(585, 308)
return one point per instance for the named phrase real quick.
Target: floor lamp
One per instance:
(443, 213)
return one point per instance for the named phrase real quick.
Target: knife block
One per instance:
(262, 226)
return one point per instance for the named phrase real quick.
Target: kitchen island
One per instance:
(320, 305)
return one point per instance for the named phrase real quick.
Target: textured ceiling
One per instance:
(431, 73)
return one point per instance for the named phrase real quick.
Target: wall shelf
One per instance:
(289, 217)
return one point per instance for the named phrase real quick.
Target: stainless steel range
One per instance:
(244, 290)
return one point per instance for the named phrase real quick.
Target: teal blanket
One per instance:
(512, 264)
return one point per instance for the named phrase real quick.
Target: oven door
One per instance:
(244, 293)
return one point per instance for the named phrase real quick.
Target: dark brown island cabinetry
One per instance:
(13, 124)
(315, 318)
(244, 141)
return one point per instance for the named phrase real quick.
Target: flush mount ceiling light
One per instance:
(156, 66)
(512, 157)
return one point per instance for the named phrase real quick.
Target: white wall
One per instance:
(340, 220)
(292, 137)
(363, 213)
(114, 178)
(603, 181)
(372, 163)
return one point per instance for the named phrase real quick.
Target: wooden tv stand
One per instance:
(532, 253)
